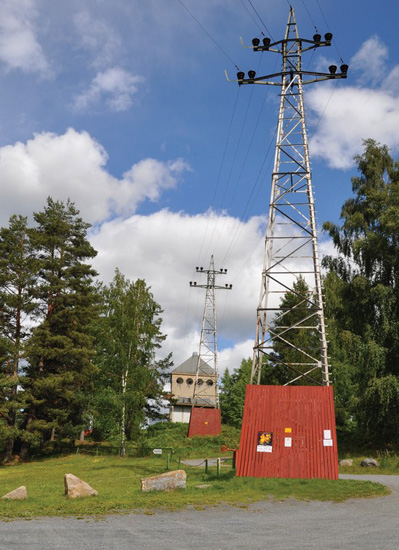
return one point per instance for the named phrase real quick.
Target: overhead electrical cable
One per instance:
(250, 143)
(322, 14)
(324, 110)
(252, 17)
(328, 28)
(208, 34)
(310, 17)
(232, 167)
(260, 19)
(220, 169)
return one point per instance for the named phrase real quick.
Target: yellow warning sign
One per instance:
(287, 430)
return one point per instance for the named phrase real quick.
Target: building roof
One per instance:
(190, 367)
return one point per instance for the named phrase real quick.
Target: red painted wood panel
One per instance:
(204, 421)
(302, 414)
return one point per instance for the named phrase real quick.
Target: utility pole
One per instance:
(208, 340)
(291, 250)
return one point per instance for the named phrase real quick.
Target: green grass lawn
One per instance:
(118, 482)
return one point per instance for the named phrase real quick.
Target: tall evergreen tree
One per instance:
(130, 384)
(295, 345)
(17, 281)
(61, 348)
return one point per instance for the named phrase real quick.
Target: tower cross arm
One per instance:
(216, 287)
(264, 79)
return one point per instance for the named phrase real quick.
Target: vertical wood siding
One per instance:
(303, 414)
(204, 422)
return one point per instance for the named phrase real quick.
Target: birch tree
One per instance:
(363, 294)
(131, 380)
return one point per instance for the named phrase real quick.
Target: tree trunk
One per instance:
(26, 444)
(9, 454)
(123, 418)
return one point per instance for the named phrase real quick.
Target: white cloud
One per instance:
(98, 37)
(346, 115)
(391, 81)
(149, 177)
(19, 46)
(353, 114)
(370, 60)
(73, 165)
(115, 87)
(230, 358)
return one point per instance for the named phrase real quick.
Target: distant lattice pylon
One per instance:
(208, 340)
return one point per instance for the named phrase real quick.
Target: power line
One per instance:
(260, 19)
(220, 171)
(327, 25)
(208, 34)
(252, 17)
(322, 13)
(310, 17)
(325, 108)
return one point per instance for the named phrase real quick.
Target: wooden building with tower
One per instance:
(183, 380)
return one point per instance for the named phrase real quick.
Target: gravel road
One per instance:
(364, 524)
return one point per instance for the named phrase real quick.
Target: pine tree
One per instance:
(130, 385)
(60, 351)
(17, 281)
(293, 346)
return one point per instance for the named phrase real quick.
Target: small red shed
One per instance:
(288, 432)
(204, 421)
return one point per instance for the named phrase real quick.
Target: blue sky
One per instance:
(123, 107)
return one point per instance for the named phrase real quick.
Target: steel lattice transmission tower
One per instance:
(291, 250)
(208, 341)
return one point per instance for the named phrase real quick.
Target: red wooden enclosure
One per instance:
(204, 421)
(288, 432)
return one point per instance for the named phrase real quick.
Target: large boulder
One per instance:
(76, 488)
(346, 462)
(17, 494)
(165, 482)
(369, 463)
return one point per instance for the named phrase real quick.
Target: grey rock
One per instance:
(165, 482)
(76, 488)
(369, 463)
(17, 494)
(346, 462)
